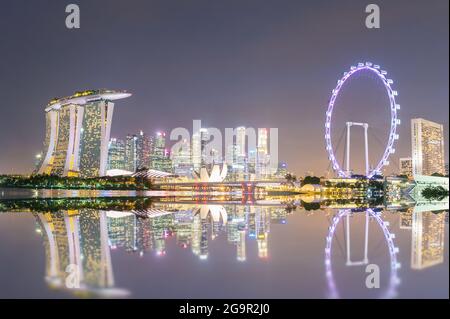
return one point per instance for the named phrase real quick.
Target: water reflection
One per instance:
(79, 241)
(394, 280)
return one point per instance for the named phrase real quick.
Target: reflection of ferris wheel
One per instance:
(394, 107)
(394, 280)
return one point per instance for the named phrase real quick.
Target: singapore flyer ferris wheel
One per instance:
(394, 121)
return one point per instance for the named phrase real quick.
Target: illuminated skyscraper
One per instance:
(262, 142)
(240, 141)
(181, 159)
(262, 165)
(204, 138)
(405, 165)
(131, 153)
(144, 146)
(427, 140)
(230, 155)
(77, 133)
(240, 155)
(196, 151)
(160, 157)
(116, 154)
(200, 156)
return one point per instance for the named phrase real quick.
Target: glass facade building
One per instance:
(427, 147)
(77, 134)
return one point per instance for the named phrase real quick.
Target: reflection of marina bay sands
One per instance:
(76, 244)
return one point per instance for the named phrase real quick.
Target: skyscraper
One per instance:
(204, 138)
(116, 154)
(240, 140)
(131, 152)
(405, 165)
(143, 150)
(263, 153)
(77, 133)
(159, 158)
(200, 141)
(262, 142)
(181, 159)
(427, 141)
(196, 151)
(240, 164)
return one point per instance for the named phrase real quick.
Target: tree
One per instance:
(311, 180)
(435, 193)
(310, 206)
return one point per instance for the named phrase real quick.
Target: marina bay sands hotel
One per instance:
(77, 133)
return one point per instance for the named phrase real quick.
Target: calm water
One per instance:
(220, 250)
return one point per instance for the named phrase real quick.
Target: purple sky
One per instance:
(229, 63)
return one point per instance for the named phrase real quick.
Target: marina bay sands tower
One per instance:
(77, 133)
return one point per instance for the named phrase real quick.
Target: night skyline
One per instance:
(227, 63)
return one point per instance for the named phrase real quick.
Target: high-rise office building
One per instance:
(427, 141)
(204, 139)
(116, 154)
(262, 164)
(159, 145)
(160, 157)
(77, 133)
(240, 164)
(405, 165)
(240, 141)
(144, 146)
(131, 152)
(196, 151)
(181, 159)
(200, 157)
(230, 155)
(263, 148)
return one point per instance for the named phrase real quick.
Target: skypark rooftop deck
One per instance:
(83, 97)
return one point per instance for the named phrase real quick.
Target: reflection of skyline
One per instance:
(80, 241)
(194, 226)
(427, 243)
(85, 237)
(77, 251)
(427, 236)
